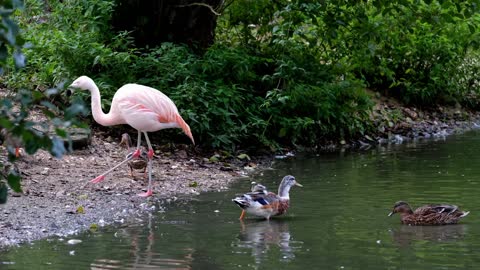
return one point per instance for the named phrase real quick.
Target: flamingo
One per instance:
(144, 108)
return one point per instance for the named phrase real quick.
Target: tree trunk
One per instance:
(179, 21)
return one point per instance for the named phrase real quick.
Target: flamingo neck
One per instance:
(97, 112)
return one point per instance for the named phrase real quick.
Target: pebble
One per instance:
(74, 241)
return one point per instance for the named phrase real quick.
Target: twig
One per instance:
(201, 4)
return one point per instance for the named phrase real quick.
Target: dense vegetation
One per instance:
(15, 123)
(279, 73)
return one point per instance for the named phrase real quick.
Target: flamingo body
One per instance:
(144, 108)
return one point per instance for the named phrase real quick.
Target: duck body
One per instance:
(431, 214)
(262, 203)
(139, 163)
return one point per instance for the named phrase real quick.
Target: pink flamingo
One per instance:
(144, 108)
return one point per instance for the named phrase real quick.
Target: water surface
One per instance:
(337, 221)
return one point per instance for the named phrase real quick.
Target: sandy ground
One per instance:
(58, 198)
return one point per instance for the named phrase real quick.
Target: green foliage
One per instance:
(15, 123)
(414, 48)
(9, 34)
(280, 73)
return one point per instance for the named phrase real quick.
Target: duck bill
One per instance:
(391, 213)
(298, 184)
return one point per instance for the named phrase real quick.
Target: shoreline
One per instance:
(59, 201)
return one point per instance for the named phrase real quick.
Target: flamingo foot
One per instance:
(98, 179)
(146, 194)
(136, 153)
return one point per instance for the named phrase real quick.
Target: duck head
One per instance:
(284, 188)
(126, 141)
(401, 207)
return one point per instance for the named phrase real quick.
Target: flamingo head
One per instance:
(82, 83)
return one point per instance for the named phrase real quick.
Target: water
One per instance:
(337, 221)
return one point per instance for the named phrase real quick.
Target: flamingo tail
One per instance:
(184, 126)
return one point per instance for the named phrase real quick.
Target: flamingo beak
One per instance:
(391, 213)
(298, 184)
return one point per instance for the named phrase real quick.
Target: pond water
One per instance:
(338, 220)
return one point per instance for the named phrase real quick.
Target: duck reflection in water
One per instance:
(263, 236)
(406, 235)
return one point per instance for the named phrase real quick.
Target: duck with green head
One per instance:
(431, 214)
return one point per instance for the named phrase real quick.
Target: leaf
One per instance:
(3, 193)
(13, 180)
(94, 227)
(243, 156)
(80, 210)
(193, 184)
(58, 147)
(19, 58)
(61, 132)
(214, 158)
(3, 52)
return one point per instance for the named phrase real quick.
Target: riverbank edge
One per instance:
(115, 204)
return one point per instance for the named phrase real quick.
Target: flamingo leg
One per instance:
(150, 156)
(101, 177)
(242, 215)
(135, 154)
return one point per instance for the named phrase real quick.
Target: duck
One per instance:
(256, 189)
(262, 203)
(430, 214)
(139, 163)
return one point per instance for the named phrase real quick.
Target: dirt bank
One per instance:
(58, 199)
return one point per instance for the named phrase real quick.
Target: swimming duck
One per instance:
(431, 214)
(139, 163)
(256, 189)
(260, 202)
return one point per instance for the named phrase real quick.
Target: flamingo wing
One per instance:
(147, 109)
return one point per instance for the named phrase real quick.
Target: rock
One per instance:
(74, 241)
(182, 154)
(44, 171)
(80, 137)
(410, 113)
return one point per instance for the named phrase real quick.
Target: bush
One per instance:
(294, 73)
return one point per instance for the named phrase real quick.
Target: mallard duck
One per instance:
(431, 214)
(260, 202)
(139, 163)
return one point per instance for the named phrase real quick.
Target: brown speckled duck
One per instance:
(139, 163)
(431, 214)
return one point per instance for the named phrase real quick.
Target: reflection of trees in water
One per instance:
(405, 235)
(262, 236)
